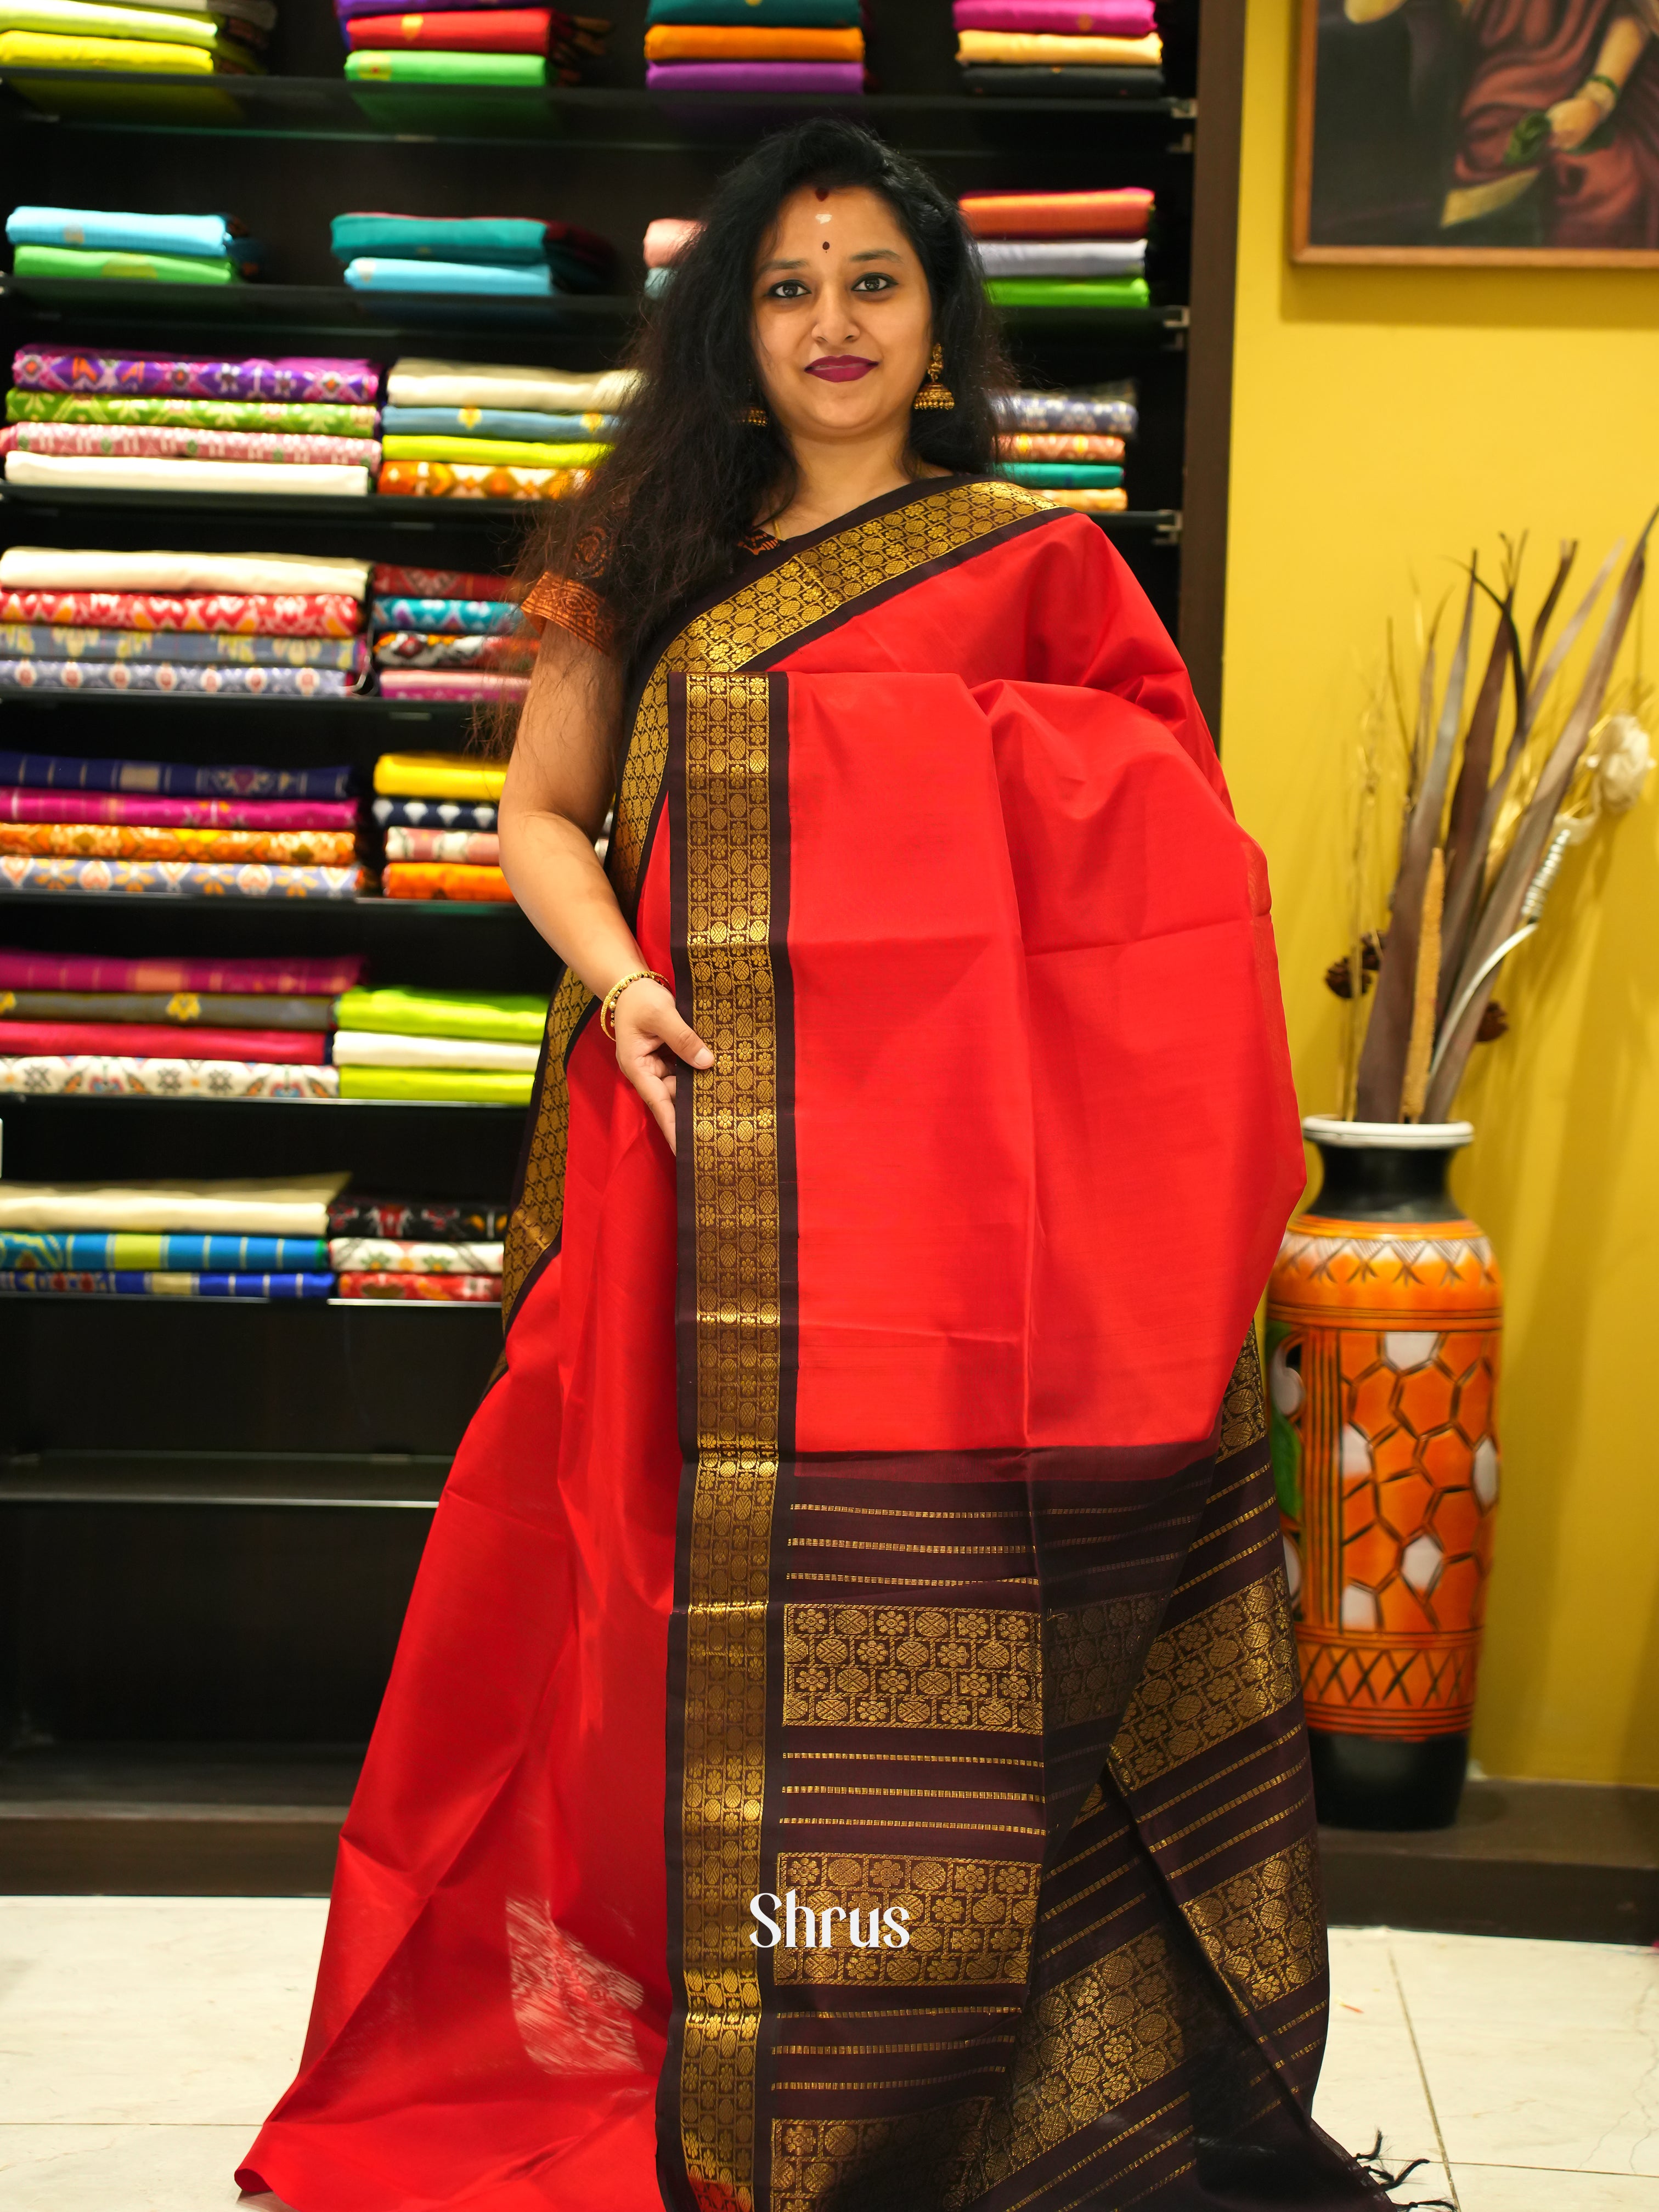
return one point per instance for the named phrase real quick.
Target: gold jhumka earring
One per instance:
(935, 393)
(754, 415)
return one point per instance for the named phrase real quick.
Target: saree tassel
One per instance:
(1372, 2165)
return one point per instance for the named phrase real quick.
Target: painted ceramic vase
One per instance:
(1384, 1322)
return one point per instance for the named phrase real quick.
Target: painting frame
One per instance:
(1306, 253)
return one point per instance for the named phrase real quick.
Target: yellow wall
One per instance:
(1385, 421)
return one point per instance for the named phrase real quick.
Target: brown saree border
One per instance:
(806, 587)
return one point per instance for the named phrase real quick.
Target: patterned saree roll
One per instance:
(451, 685)
(87, 971)
(180, 442)
(76, 1250)
(361, 1255)
(483, 617)
(435, 776)
(177, 879)
(171, 676)
(444, 1290)
(47, 641)
(125, 1284)
(442, 879)
(431, 814)
(113, 841)
(408, 648)
(258, 614)
(306, 418)
(121, 1076)
(140, 1039)
(268, 816)
(473, 848)
(303, 377)
(421, 1220)
(195, 1011)
(475, 480)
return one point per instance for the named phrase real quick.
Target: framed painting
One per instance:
(1448, 132)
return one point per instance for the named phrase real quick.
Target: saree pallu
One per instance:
(871, 1517)
(122, 1076)
(213, 614)
(316, 418)
(306, 377)
(165, 676)
(62, 641)
(177, 878)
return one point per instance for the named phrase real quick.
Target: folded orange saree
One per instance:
(740, 42)
(1119, 214)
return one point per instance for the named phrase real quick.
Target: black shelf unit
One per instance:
(204, 1556)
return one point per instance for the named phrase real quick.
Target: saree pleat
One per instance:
(881, 1754)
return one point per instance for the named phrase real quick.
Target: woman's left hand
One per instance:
(1572, 121)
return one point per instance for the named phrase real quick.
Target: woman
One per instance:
(846, 1750)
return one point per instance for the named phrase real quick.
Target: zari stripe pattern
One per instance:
(742, 630)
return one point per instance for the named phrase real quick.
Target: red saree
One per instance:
(863, 1526)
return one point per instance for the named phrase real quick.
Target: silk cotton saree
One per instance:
(868, 1537)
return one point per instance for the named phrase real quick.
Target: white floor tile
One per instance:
(1534, 2188)
(153, 2009)
(119, 2169)
(1537, 2054)
(1370, 2079)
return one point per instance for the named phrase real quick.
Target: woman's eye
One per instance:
(873, 280)
(787, 287)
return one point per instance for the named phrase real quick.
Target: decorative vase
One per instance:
(1384, 1323)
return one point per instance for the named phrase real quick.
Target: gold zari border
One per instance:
(750, 623)
(737, 1268)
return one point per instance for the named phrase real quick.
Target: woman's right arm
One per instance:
(560, 781)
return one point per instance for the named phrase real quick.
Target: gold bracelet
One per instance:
(608, 1004)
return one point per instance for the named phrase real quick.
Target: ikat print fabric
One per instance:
(175, 880)
(122, 1284)
(77, 1250)
(118, 1076)
(218, 614)
(296, 377)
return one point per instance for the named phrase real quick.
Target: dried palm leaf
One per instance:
(1465, 851)
(1382, 1058)
(1414, 1087)
(1496, 928)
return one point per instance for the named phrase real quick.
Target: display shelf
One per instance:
(409, 1482)
(578, 118)
(358, 706)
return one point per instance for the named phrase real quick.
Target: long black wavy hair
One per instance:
(687, 480)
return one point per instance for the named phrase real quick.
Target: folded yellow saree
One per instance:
(1041, 47)
(744, 42)
(500, 453)
(57, 49)
(437, 775)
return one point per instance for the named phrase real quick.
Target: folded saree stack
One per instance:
(424, 1250)
(249, 625)
(485, 257)
(664, 241)
(167, 829)
(1062, 249)
(441, 634)
(1054, 48)
(427, 802)
(812, 47)
(439, 1046)
(181, 38)
(1069, 445)
(80, 419)
(466, 430)
(80, 1024)
(468, 45)
(257, 1239)
(110, 245)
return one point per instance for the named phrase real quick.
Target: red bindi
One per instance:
(823, 191)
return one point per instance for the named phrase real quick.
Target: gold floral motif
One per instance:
(971, 1920)
(1092, 1655)
(1263, 1930)
(752, 624)
(1243, 1419)
(912, 1666)
(734, 1170)
(819, 2163)
(1205, 1679)
(1086, 2045)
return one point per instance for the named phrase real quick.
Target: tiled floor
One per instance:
(142, 2039)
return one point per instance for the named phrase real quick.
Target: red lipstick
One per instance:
(840, 367)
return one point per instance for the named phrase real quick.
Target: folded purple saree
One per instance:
(299, 377)
(820, 78)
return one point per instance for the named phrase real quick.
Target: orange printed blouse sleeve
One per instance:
(574, 606)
